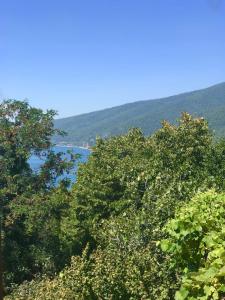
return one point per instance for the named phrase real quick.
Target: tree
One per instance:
(106, 185)
(124, 195)
(24, 131)
(157, 172)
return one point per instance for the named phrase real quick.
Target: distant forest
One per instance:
(147, 115)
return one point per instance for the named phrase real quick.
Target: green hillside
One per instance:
(209, 103)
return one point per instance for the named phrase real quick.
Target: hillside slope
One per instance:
(209, 103)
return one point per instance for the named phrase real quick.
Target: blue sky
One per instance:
(77, 56)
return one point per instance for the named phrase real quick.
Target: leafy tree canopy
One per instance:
(24, 131)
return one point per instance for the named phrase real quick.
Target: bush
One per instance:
(196, 243)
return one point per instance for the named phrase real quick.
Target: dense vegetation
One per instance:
(29, 244)
(144, 220)
(197, 246)
(147, 115)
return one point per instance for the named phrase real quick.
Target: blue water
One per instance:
(36, 162)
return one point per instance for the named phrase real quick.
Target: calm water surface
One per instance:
(36, 162)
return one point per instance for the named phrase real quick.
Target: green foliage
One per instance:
(133, 171)
(112, 219)
(107, 181)
(123, 197)
(45, 246)
(196, 243)
(104, 275)
(24, 131)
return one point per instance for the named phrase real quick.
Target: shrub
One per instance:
(196, 243)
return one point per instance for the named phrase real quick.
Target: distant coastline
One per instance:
(73, 146)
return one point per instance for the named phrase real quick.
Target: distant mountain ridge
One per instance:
(147, 115)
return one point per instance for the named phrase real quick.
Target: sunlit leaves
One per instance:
(197, 245)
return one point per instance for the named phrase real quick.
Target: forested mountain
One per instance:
(147, 115)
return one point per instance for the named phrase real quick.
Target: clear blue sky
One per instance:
(77, 56)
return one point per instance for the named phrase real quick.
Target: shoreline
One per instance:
(73, 146)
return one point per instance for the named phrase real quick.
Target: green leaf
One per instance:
(165, 245)
(181, 294)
